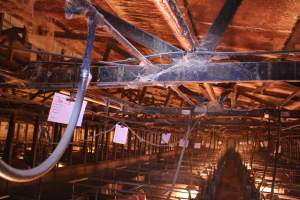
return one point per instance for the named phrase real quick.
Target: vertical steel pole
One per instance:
(276, 155)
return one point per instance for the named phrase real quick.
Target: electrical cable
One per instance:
(19, 175)
(87, 140)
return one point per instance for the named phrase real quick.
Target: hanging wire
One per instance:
(140, 138)
(149, 142)
(290, 127)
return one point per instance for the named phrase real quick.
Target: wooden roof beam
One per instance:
(167, 100)
(182, 95)
(259, 100)
(234, 96)
(142, 94)
(176, 22)
(194, 95)
(210, 91)
(289, 98)
(180, 28)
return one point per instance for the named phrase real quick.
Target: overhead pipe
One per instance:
(20, 175)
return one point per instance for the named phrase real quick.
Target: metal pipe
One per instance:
(19, 175)
(186, 137)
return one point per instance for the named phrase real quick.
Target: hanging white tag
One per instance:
(120, 136)
(207, 145)
(261, 144)
(183, 142)
(89, 80)
(165, 138)
(61, 109)
(197, 146)
(279, 149)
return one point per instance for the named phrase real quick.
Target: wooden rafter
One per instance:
(176, 22)
(210, 91)
(234, 96)
(289, 98)
(182, 95)
(173, 17)
(167, 100)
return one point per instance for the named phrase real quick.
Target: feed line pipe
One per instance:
(25, 175)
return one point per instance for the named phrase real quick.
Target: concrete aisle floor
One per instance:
(230, 184)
